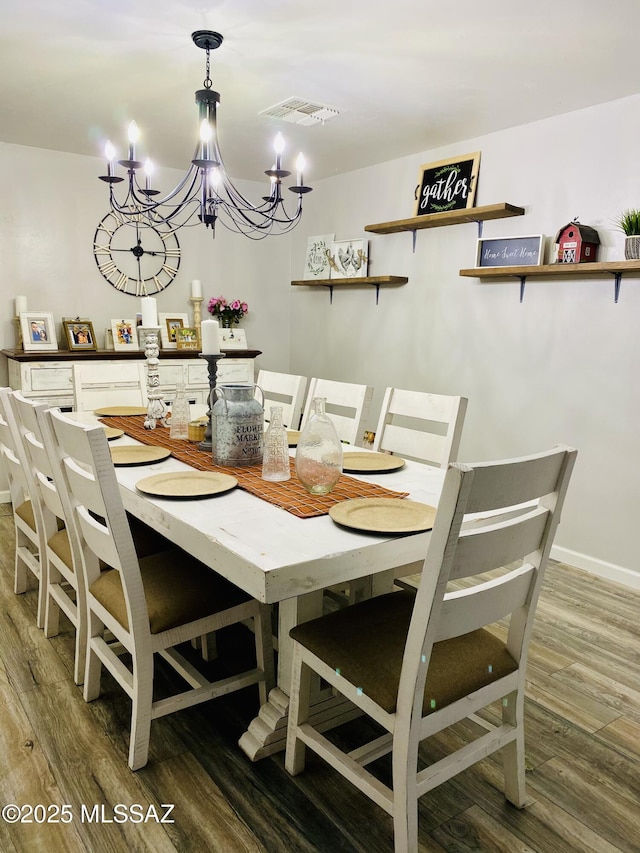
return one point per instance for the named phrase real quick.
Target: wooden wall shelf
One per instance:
(376, 280)
(502, 210)
(600, 268)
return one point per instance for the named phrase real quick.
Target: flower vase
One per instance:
(319, 452)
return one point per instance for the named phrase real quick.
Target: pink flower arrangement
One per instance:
(228, 312)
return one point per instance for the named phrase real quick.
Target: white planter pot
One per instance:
(632, 248)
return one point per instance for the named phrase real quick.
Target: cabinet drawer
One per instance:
(42, 379)
(235, 370)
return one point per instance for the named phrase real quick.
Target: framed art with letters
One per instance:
(447, 185)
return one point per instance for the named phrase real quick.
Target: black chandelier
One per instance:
(206, 193)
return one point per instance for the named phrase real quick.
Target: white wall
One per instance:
(51, 205)
(560, 368)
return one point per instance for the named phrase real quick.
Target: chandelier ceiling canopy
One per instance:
(206, 193)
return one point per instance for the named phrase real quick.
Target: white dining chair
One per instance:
(347, 405)
(32, 522)
(286, 390)
(149, 605)
(96, 385)
(422, 426)
(418, 663)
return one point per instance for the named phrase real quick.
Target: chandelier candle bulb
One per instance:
(209, 334)
(21, 305)
(300, 164)
(278, 145)
(148, 171)
(196, 289)
(149, 312)
(133, 135)
(109, 153)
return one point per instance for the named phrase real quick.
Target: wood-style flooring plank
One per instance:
(26, 779)
(475, 830)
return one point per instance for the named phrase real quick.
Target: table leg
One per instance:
(267, 733)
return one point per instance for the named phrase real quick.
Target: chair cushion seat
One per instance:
(25, 512)
(61, 547)
(178, 590)
(366, 643)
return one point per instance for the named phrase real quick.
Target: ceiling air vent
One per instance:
(299, 111)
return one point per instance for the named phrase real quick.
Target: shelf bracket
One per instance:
(479, 223)
(617, 278)
(523, 281)
(330, 294)
(413, 239)
(377, 291)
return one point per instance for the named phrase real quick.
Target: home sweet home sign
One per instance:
(447, 185)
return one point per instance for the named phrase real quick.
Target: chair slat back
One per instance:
(341, 396)
(103, 526)
(96, 385)
(524, 536)
(20, 483)
(286, 390)
(41, 462)
(434, 426)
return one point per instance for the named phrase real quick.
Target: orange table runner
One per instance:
(289, 495)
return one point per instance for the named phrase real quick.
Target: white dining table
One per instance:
(277, 557)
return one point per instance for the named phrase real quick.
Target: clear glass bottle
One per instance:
(275, 459)
(319, 453)
(179, 423)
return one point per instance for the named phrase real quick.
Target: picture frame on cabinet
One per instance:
(38, 330)
(79, 333)
(510, 251)
(169, 325)
(125, 335)
(232, 338)
(349, 258)
(187, 338)
(447, 184)
(316, 262)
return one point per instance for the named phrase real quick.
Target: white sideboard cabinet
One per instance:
(48, 376)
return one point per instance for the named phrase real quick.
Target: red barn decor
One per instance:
(577, 243)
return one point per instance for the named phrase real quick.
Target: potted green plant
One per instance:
(629, 223)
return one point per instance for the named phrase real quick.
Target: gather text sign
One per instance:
(447, 185)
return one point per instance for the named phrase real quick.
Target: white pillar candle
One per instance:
(209, 336)
(21, 305)
(149, 311)
(196, 288)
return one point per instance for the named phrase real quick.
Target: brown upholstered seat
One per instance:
(178, 589)
(366, 644)
(25, 512)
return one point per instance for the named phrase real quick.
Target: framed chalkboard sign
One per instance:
(447, 185)
(510, 251)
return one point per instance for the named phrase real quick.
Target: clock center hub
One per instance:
(138, 251)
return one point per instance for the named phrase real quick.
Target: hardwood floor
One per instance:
(583, 751)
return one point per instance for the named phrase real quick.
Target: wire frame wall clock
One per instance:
(134, 257)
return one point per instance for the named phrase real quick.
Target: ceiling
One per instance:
(406, 75)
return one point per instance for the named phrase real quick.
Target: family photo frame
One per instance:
(79, 334)
(170, 324)
(38, 330)
(125, 334)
